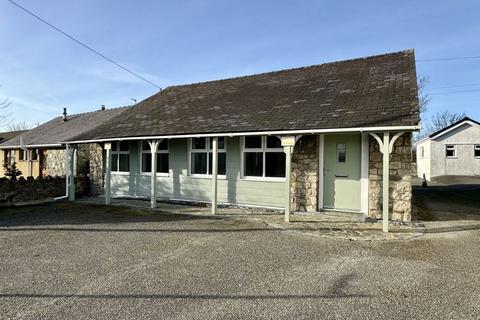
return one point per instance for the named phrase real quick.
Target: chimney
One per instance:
(103, 107)
(64, 114)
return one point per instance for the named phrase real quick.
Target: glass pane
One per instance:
(253, 164)
(341, 152)
(114, 162)
(253, 142)
(162, 162)
(222, 163)
(34, 154)
(163, 145)
(124, 164)
(221, 143)
(146, 162)
(273, 142)
(21, 155)
(477, 151)
(199, 163)
(145, 146)
(124, 146)
(275, 164)
(199, 143)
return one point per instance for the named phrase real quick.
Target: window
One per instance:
(422, 152)
(451, 151)
(120, 156)
(477, 151)
(341, 152)
(263, 157)
(22, 155)
(34, 154)
(162, 157)
(201, 156)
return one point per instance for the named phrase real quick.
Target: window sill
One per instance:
(263, 179)
(207, 176)
(451, 157)
(159, 174)
(120, 173)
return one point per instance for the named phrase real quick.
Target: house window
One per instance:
(22, 155)
(120, 156)
(34, 154)
(9, 156)
(477, 151)
(451, 151)
(162, 157)
(263, 157)
(422, 152)
(341, 153)
(201, 156)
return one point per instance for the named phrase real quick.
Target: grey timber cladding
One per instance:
(367, 92)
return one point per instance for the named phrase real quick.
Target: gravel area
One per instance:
(84, 261)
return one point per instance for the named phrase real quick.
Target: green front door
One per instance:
(342, 159)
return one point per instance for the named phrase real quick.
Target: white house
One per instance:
(454, 150)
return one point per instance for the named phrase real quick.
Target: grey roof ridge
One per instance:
(411, 51)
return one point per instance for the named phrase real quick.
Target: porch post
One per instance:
(386, 179)
(71, 149)
(288, 172)
(153, 178)
(214, 174)
(386, 147)
(108, 171)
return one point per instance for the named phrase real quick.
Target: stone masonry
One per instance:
(304, 180)
(89, 163)
(400, 179)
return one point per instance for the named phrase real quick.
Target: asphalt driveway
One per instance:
(76, 261)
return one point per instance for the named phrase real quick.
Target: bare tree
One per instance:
(18, 126)
(442, 120)
(423, 97)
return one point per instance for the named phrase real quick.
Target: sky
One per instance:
(180, 42)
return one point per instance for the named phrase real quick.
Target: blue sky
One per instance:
(179, 42)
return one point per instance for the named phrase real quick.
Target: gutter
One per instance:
(255, 133)
(31, 146)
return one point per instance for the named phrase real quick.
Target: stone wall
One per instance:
(400, 179)
(53, 162)
(96, 164)
(304, 180)
(89, 163)
(25, 190)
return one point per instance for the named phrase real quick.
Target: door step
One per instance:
(334, 215)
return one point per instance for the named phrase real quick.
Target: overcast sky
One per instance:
(178, 42)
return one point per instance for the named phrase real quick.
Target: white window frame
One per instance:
(454, 151)
(476, 147)
(263, 150)
(422, 152)
(149, 152)
(116, 150)
(207, 150)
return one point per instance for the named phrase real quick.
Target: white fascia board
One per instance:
(255, 133)
(32, 146)
(455, 127)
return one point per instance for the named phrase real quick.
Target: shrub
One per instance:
(12, 171)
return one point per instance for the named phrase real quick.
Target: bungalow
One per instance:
(334, 136)
(40, 151)
(452, 151)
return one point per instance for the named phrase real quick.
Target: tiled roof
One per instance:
(367, 92)
(56, 131)
(5, 136)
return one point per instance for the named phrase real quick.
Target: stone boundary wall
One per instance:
(25, 190)
(304, 179)
(400, 179)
